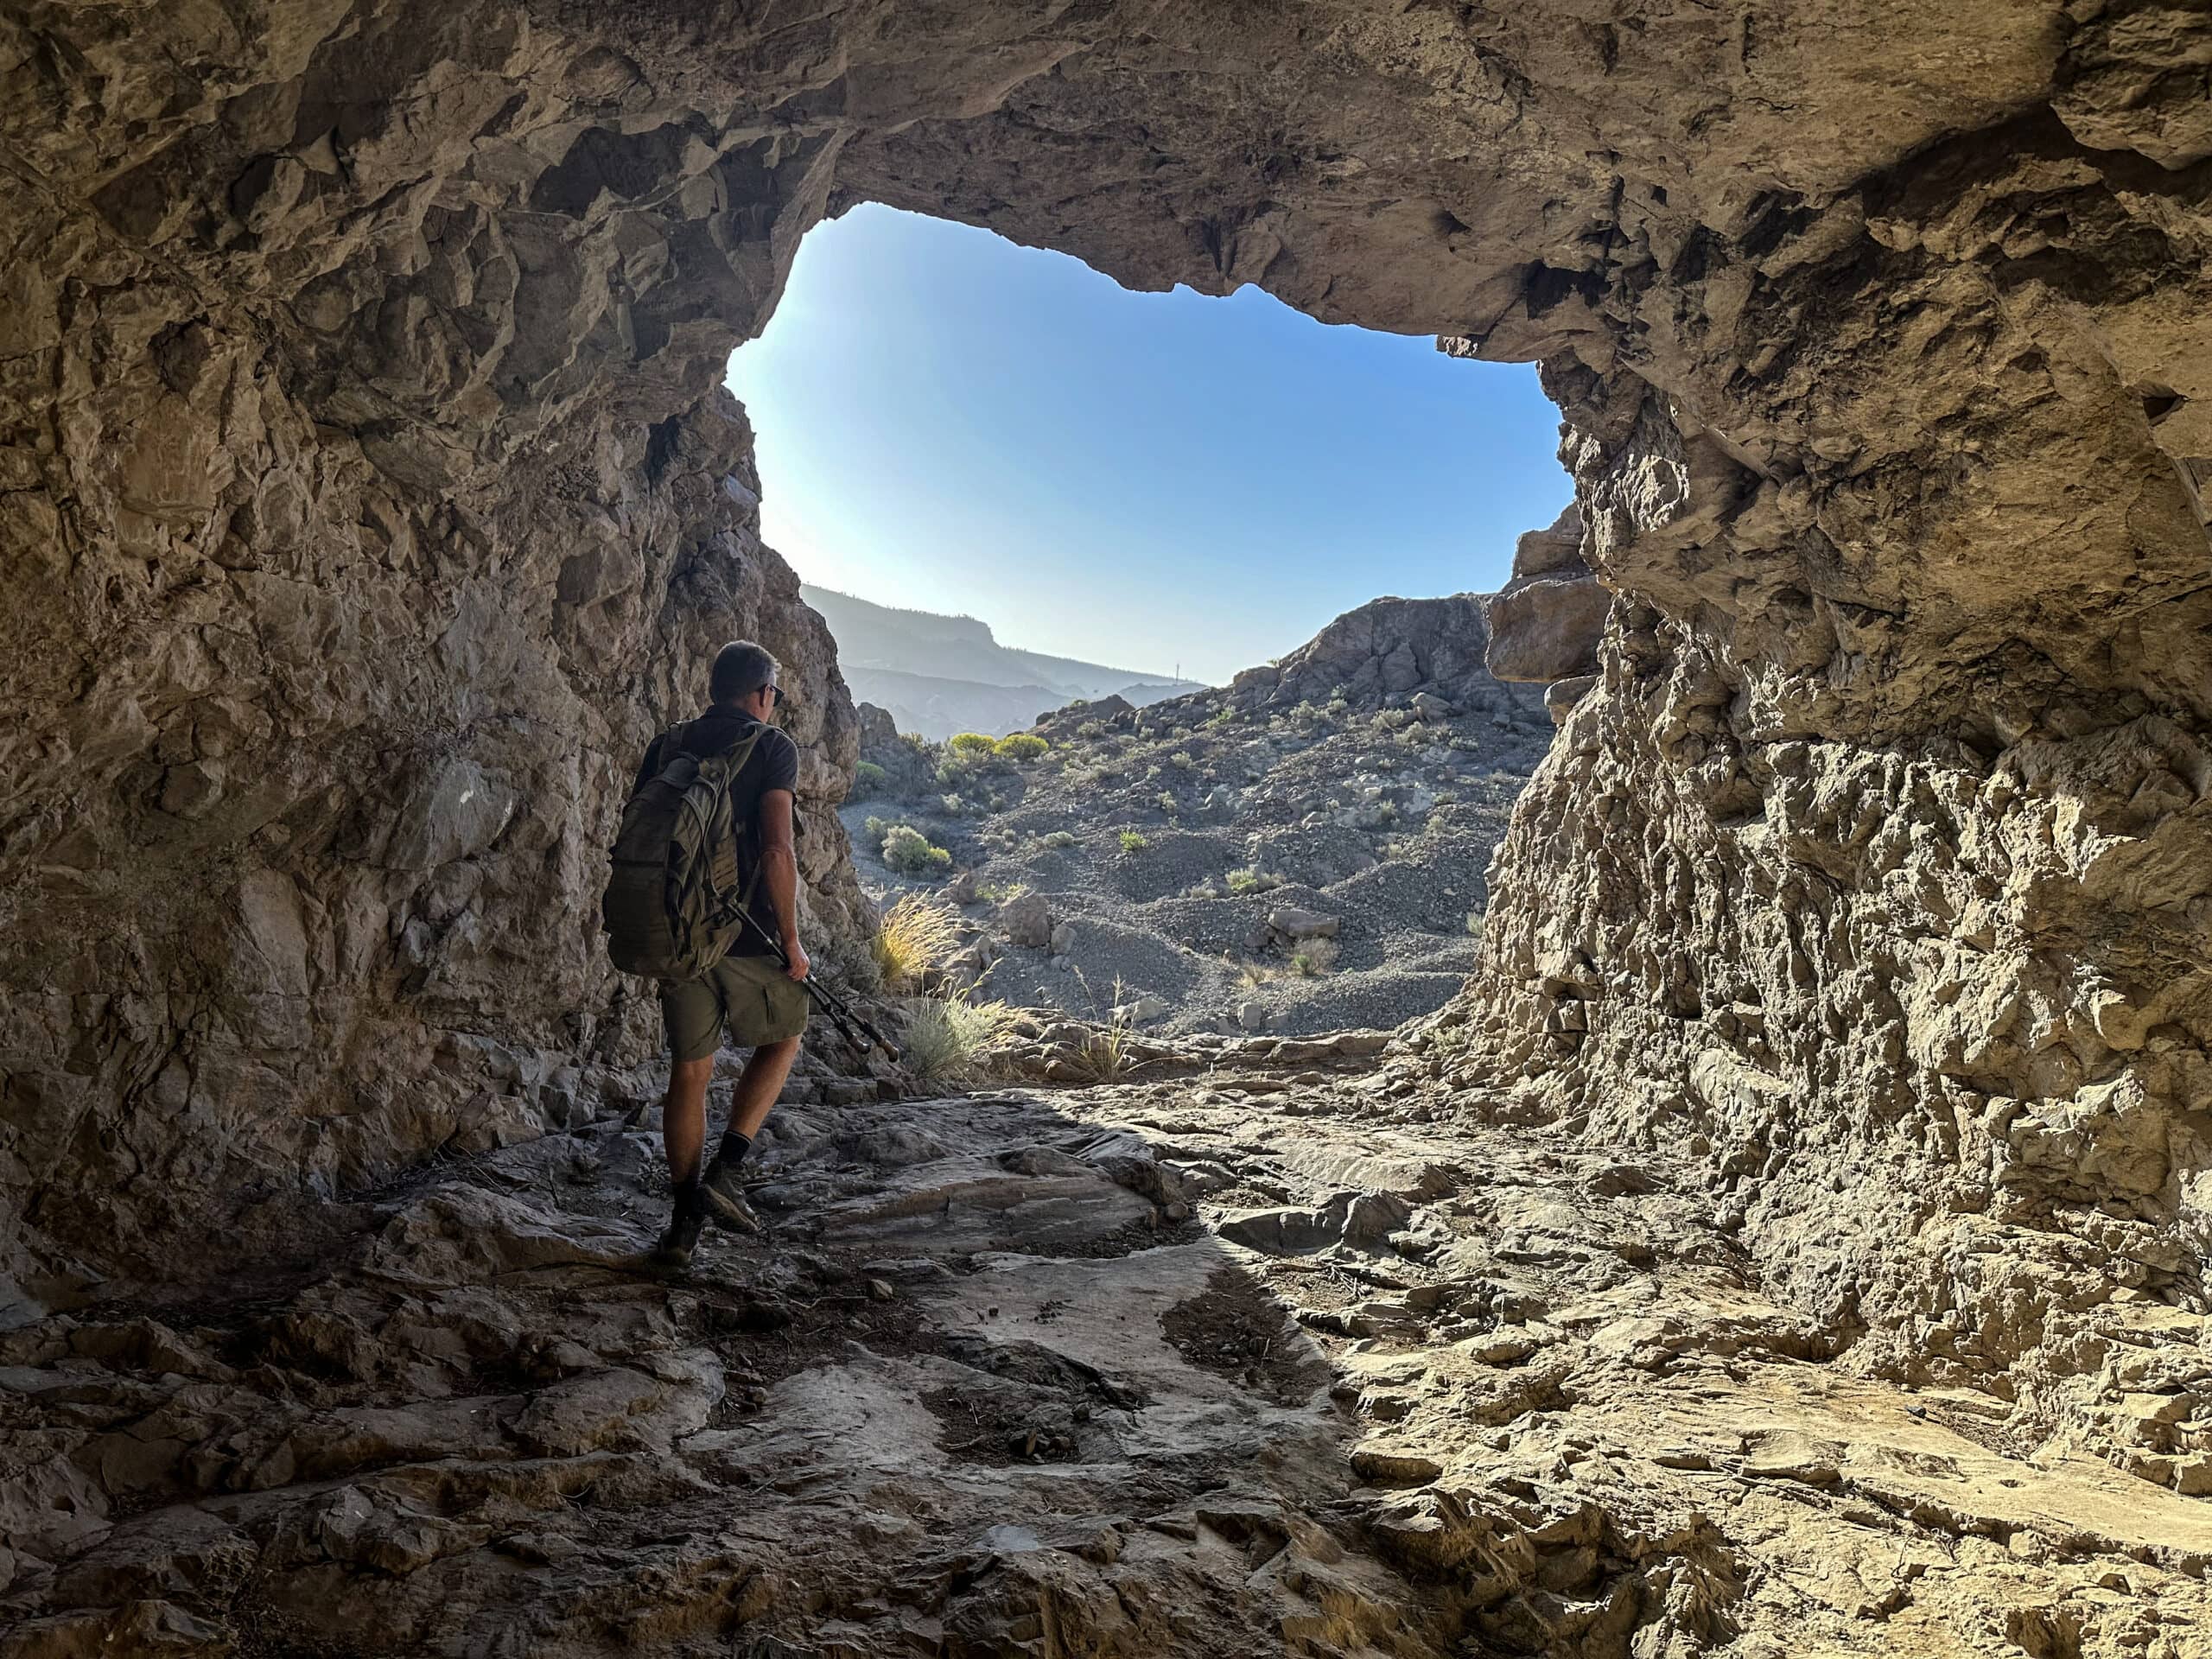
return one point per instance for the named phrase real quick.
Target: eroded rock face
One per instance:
(371, 494)
(1546, 622)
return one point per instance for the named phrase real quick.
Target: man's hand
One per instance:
(800, 966)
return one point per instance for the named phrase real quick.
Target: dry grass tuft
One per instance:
(916, 933)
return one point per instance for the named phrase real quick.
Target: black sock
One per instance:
(690, 1197)
(733, 1148)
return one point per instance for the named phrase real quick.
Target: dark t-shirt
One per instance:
(773, 764)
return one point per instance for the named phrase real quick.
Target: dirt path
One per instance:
(1252, 1364)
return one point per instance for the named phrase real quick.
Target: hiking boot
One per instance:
(673, 1252)
(725, 1196)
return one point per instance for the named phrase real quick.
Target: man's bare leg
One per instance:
(757, 1085)
(760, 1083)
(684, 1134)
(684, 1119)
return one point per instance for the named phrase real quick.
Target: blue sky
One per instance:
(950, 423)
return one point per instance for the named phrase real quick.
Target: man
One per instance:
(762, 1005)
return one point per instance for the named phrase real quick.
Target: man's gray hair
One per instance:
(741, 669)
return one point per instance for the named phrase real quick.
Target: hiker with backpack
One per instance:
(703, 897)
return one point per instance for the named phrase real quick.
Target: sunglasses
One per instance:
(775, 696)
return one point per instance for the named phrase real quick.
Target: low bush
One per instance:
(1059, 840)
(945, 1036)
(1134, 840)
(1248, 882)
(868, 779)
(1020, 748)
(1313, 958)
(916, 933)
(971, 743)
(908, 851)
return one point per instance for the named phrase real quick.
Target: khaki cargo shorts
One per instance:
(752, 996)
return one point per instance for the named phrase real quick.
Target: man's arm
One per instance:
(779, 873)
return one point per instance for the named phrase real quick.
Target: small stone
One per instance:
(1295, 923)
(1394, 1467)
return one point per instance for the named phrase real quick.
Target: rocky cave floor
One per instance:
(1374, 821)
(1297, 1357)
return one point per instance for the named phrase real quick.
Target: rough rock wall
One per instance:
(1876, 860)
(353, 559)
(1875, 867)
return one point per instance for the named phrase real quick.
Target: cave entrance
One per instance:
(1132, 492)
(1014, 486)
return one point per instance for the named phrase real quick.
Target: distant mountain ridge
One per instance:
(938, 675)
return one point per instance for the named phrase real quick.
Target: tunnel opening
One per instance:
(1212, 560)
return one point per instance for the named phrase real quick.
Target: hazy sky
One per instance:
(950, 423)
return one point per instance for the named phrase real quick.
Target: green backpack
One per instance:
(671, 909)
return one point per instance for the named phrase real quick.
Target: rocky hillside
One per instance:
(1300, 852)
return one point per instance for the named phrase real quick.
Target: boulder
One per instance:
(1027, 920)
(1290, 922)
(1547, 628)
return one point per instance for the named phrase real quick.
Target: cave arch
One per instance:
(363, 451)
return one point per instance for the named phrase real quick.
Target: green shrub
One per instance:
(1181, 757)
(1091, 728)
(1168, 803)
(876, 830)
(1059, 840)
(908, 851)
(868, 779)
(1248, 882)
(943, 1039)
(1020, 748)
(971, 745)
(1133, 840)
(1313, 958)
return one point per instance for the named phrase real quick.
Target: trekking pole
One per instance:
(830, 1003)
